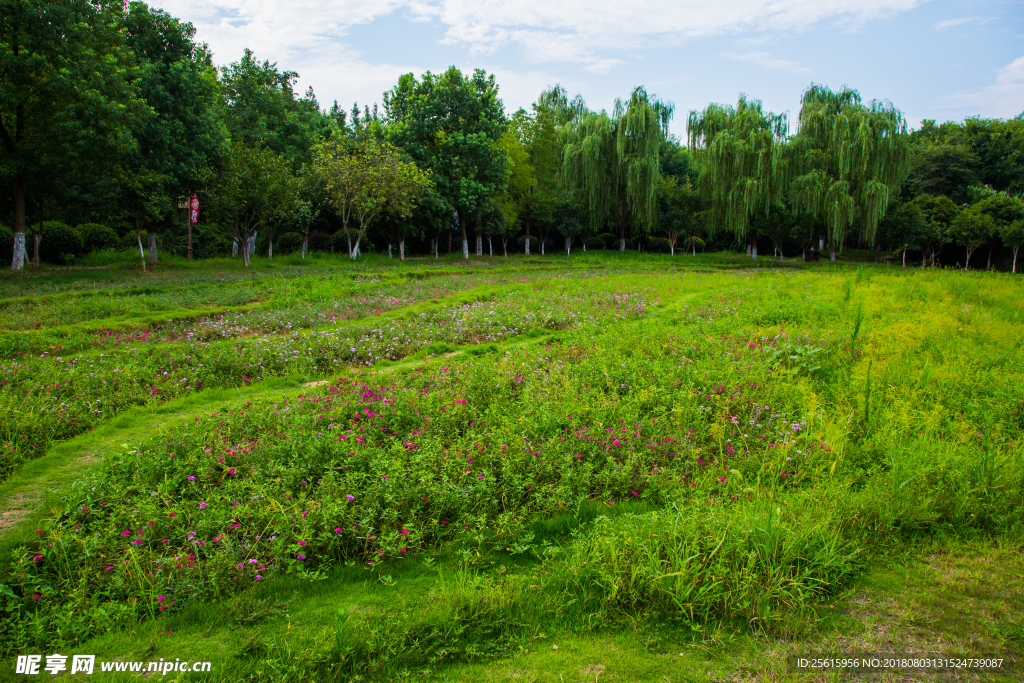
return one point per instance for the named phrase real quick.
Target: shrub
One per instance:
(61, 243)
(320, 241)
(6, 242)
(594, 243)
(289, 243)
(658, 245)
(610, 241)
(96, 237)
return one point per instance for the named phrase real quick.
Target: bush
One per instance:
(320, 241)
(594, 243)
(61, 243)
(610, 241)
(96, 237)
(658, 245)
(6, 242)
(288, 243)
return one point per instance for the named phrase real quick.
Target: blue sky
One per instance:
(933, 59)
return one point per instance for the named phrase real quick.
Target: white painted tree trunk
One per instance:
(142, 252)
(389, 250)
(465, 249)
(401, 249)
(490, 246)
(305, 246)
(527, 251)
(542, 247)
(270, 250)
(479, 245)
(1014, 270)
(234, 247)
(152, 248)
(568, 246)
(622, 244)
(18, 257)
(251, 248)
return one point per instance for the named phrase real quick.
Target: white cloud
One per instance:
(950, 23)
(315, 37)
(1004, 98)
(764, 59)
(595, 26)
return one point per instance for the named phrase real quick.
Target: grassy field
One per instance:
(609, 467)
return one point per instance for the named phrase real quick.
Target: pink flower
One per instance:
(350, 497)
(37, 596)
(405, 532)
(202, 505)
(401, 551)
(172, 514)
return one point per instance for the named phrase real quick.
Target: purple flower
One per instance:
(350, 497)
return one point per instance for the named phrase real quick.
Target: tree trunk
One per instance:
(349, 238)
(142, 252)
(479, 238)
(904, 257)
(449, 243)
(622, 238)
(18, 261)
(990, 248)
(38, 237)
(568, 246)
(270, 249)
(389, 250)
(527, 252)
(18, 257)
(490, 247)
(542, 241)
(968, 261)
(504, 245)
(245, 253)
(465, 238)
(401, 248)
(305, 246)
(152, 248)
(234, 247)
(251, 247)
(1014, 270)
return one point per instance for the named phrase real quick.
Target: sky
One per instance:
(933, 59)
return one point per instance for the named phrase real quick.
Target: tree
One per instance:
(611, 163)
(1012, 235)
(183, 141)
(904, 226)
(365, 179)
(1003, 210)
(744, 169)
(66, 96)
(849, 161)
(942, 169)
(450, 124)
(256, 187)
(264, 111)
(971, 228)
(679, 206)
(939, 212)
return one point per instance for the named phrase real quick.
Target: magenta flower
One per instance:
(202, 505)
(350, 497)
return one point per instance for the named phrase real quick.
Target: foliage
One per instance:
(849, 161)
(61, 243)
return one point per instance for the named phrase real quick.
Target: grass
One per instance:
(668, 471)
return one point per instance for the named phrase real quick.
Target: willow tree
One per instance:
(610, 163)
(849, 162)
(742, 154)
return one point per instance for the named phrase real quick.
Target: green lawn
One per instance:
(613, 467)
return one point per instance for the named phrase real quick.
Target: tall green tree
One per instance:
(66, 95)
(263, 110)
(939, 211)
(181, 144)
(1012, 235)
(610, 163)
(970, 229)
(849, 161)
(743, 166)
(366, 180)
(451, 124)
(256, 187)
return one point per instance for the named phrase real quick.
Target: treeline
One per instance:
(113, 117)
